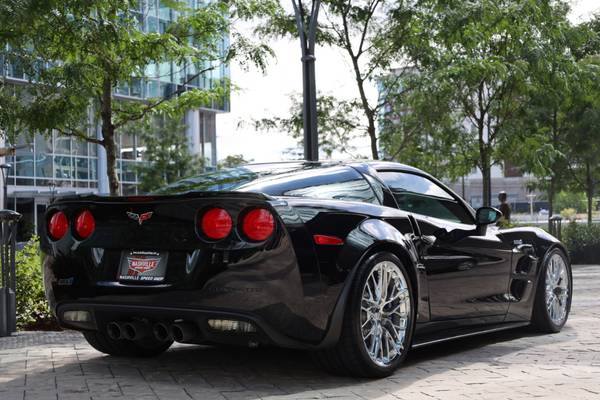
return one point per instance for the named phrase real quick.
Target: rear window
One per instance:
(229, 179)
(339, 183)
(295, 180)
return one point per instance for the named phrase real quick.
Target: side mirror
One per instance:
(487, 215)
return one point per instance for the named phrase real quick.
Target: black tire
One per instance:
(541, 319)
(349, 356)
(125, 348)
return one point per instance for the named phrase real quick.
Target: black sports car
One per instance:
(357, 262)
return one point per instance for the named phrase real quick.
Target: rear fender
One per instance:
(370, 237)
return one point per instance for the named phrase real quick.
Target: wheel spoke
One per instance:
(557, 289)
(400, 295)
(385, 307)
(383, 284)
(377, 340)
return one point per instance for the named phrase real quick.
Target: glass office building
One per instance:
(46, 166)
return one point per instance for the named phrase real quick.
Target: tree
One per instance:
(553, 144)
(484, 52)
(338, 123)
(75, 53)
(233, 160)
(418, 129)
(554, 85)
(584, 136)
(166, 155)
(370, 33)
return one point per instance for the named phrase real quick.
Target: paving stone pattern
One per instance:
(511, 365)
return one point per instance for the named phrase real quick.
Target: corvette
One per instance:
(357, 262)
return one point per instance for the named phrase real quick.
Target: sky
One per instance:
(268, 95)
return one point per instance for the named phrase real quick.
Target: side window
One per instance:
(417, 194)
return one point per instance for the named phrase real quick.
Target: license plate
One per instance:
(143, 266)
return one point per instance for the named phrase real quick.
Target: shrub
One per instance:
(576, 200)
(569, 214)
(32, 309)
(583, 242)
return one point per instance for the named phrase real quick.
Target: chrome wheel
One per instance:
(557, 289)
(385, 313)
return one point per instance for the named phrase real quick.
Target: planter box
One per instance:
(586, 255)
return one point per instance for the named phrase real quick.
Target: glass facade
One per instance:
(61, 161)
(164, 79)
(45, 165)
(159, 80)
(55, 161)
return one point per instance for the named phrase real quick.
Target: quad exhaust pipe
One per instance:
(185, 332)
(161, 332)
(114, 331)
(135, 330)
(127, 330)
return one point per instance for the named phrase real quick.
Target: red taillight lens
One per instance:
(258, 224)
(328, 240)
(58, 225)
(85, 224)
(216, 223)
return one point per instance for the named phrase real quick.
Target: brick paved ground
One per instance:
(509, 365)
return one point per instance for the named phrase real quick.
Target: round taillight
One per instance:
(216, 223)
(85, 224)
(58, 225)
(258, 224)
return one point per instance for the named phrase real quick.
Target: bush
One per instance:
(583, 242)
(32, 308)
(574, 200)
(569, 214)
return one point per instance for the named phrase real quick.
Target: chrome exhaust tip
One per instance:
(134, 330)
(161, 332)
(184, 332)
(114, 330)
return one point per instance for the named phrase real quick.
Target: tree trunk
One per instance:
(551, 197)
(589, 191)
(553, 169)
(371, 129)
(486, 175)
(486, 167)
(372, 136)
(111, 163)
(108, 136)
(551, 189)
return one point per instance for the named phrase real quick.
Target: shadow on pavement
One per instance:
(207, 372)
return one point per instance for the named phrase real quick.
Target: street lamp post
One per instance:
(531, 197)
(307, 43)
(8, 231)
(5, 168)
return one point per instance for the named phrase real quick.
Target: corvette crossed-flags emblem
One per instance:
(140, 218)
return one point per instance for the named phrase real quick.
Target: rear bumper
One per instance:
(103, 314)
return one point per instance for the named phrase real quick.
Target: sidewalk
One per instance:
(509, 365)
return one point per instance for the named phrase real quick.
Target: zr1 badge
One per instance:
(143, 266)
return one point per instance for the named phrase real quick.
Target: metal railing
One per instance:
(8, 280)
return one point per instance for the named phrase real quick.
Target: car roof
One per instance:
(379, 165)
(303, 164)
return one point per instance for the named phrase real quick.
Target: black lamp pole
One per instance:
(5, 168)
(307, 43)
